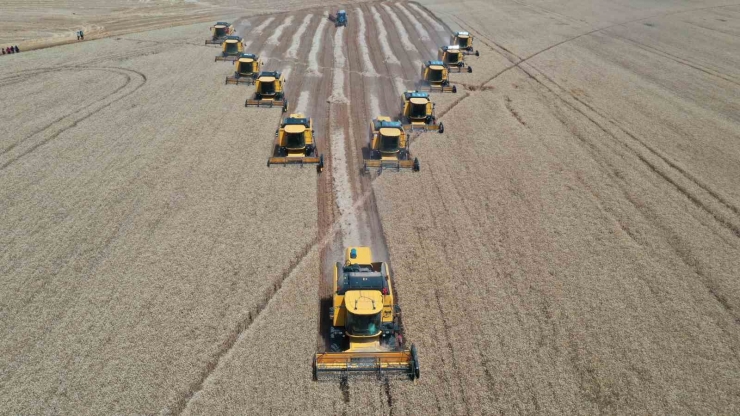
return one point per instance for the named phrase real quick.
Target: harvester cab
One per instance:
(246, 69)
(389, 147)
(341, 19)
(231, 49)
(268, 91)
(453, 57)
(417, 112)
(465, 41)
(435, 77)
(219, 31)
(365, 336)
(295, 144)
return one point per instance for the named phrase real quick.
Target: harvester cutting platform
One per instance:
(295, 144)
(389, 147)
(465, 41)
(219, 31)
(453, 57)
(231, 49)
(246, 69)
(435, 77)
(365, 335)
(417, 112)
(268, 91)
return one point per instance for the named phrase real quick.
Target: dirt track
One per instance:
(570, 245)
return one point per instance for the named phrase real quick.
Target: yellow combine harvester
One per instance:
(295, 145)
(268, 91)
(231, 49)
(453, 57)
(389, 147)
(365, 334)
(417, 112)
(465, 41)
(435, 77)
(219, 31)
(246, 69)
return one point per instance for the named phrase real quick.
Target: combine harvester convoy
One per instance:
(366, 336)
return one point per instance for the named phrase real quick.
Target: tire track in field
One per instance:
(298, 36)
(678, 59)
(224, 352)
(135, 79)
(725, 219)
(721, 218)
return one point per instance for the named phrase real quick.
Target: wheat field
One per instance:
(570, 245)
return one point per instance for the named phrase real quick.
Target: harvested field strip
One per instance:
(302, 103)
(423, 34)
(342, 188)
(367, 63)
(402, 33)
(261, 28)
(275, 38)
(313, 63)
(298, 36)
(388, 55)
(338, 95)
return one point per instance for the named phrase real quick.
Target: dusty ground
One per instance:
(570, 245)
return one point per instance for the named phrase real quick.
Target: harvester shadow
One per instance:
(324, 324)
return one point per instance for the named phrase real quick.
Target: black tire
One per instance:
(441, 128)
(477, 53)
(416, 165)
(470, 69)
(454, 89)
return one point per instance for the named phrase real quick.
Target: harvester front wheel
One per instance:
(454, 89)
(470, 69)
(320, 166)
(416, 164)
(441, 128)
(477, 53)
(415, 356)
